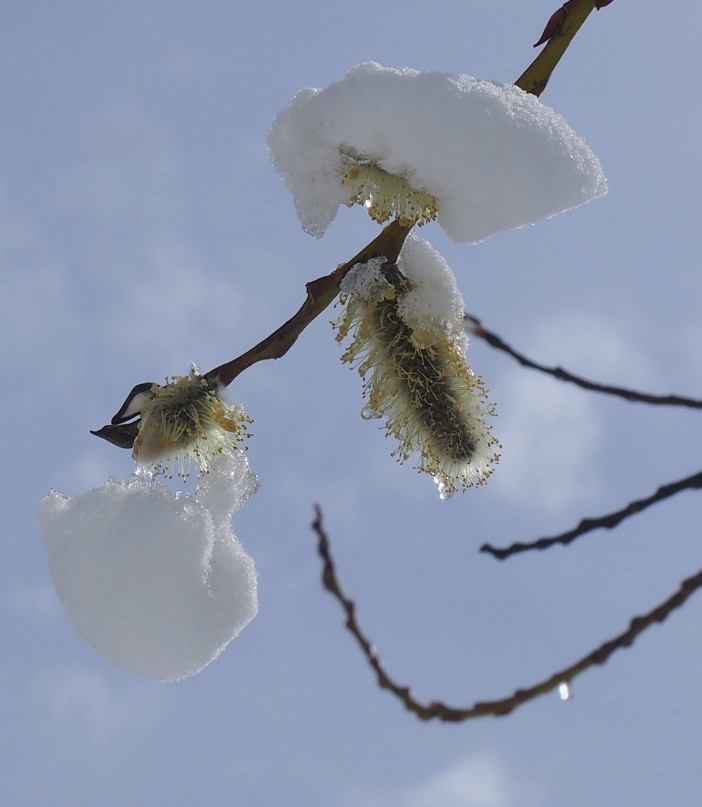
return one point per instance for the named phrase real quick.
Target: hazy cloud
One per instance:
(478, 781)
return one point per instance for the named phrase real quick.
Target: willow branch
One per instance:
(563, 25)
(560, 30)
(436, 710)
(320, 293)
(608, 521)
(476, 327)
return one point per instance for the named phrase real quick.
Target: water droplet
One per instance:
(564, 691)
(444, 491)
(143, 475)
(370, 413)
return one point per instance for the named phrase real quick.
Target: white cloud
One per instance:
(82, 700)
(478, 781)
(551, 430)
(588, 345)
(182, 311)
(550, 433)
(88, 469)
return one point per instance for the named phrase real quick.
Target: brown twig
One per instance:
(608, 521)
(563, 25)
(320, 293)
(436, 710)
(476, 327)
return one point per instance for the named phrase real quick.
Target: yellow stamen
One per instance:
(187, 417)
(433, 402)
(386, 195)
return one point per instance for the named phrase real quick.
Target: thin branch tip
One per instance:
(608, 521)
(477, 328)
(436, 710)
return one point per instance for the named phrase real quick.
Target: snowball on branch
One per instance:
(478, 156)
(156, 582)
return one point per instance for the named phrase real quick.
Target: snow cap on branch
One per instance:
(156, 582)
(478, 156)
(408, 342)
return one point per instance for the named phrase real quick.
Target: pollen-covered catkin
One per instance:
(188, 418)
(418, 379)
(386, 195)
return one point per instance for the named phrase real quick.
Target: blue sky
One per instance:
(141, 227)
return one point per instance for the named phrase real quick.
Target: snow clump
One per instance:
(478, 156)
(156, 582)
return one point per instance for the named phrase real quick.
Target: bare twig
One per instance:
(608, 521)
(563, 25)
(477, 328)
(437, 710)
(320, 293)
(558, 34)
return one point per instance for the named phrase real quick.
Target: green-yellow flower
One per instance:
(417, 378)
(187, 418)
(386, 195)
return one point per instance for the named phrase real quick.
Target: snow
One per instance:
(434, 305)
(157, 582)
(492, 156)
(366, 280)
